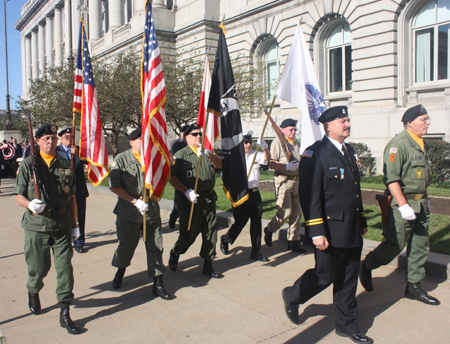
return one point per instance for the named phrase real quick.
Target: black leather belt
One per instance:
(205, 193)
(51, 213)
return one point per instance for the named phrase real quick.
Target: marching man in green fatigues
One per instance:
(50, 223)
(127, 182)
(204, 218)
(407, 175)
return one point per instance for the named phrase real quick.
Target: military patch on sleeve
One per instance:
(307, 154)
(392, 157)
(66, 188)
(393, 150)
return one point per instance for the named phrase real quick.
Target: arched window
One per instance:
(270, 55)
(431, 29)
(339, 57)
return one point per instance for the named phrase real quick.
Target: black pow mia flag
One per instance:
(223, 101)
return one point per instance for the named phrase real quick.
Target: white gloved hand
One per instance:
(205, 153)
(141, 205)
(75, 233)
(407, 212)
(191, 196)
(262, 144)
(292, 166)
(36, 206)
(429, 206)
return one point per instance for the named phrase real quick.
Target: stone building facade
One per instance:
(378, 57)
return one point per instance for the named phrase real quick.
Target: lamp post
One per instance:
(8, 121)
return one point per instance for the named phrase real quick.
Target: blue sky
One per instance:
(14, 55)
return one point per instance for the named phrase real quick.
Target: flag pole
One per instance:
(144, 224)
(262, 134)
(198, 169)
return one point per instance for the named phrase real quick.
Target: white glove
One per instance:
(429, 206)
(292, 166)
(141, 205)
(191, 196)
(206, 153)
(36, 206)
(407, 212)
(75, 233)
(262, 144)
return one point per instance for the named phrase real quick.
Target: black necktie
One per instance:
(345, 153)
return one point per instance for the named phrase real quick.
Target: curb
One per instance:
(438, 265)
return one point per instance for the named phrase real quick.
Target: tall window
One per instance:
(270, 54)
(431, 30)
(339, 54)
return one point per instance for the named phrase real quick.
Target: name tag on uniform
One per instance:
(332, 168)
(417, 157)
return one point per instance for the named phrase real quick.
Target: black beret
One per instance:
(412, 113)
(135, 134)
(46, 129)
(333, 113)
(183, 128)
(65, 131)
(288, 122)
(190, 128)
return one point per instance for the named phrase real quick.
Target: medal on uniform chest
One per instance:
(342, 173)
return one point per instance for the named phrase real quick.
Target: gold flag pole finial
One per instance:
(222, 25)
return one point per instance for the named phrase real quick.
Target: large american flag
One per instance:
(155, 148)
(92, 141)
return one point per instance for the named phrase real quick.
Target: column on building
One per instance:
(140, 6)
(58, 36)
(49, 40)
(68, 28)
(41, 46)
(95, 19)
(28, 61)
(34, 54)
(159, 4)
(116, 14)
(76, 15)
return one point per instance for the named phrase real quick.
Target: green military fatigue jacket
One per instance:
(57, 184)
(128, 174)
(405, 162)
(185, 169)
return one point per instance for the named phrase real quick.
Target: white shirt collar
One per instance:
(337, 144)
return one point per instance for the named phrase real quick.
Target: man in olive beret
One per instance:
(50, 222)
(407, 175)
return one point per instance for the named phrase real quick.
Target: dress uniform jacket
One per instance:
(330, 194)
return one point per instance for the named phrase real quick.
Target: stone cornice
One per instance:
(31, 11)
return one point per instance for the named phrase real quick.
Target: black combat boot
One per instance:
(117, 281)
(159, 290)
(209, 270)
(65, 321)
(34, 303)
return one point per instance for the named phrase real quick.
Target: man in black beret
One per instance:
(130, 209)
(176, 145)
(330, 196)
(286, 186)
(67, 150)
(50, 223)
(407, 176)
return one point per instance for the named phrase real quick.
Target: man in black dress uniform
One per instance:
(330, 196)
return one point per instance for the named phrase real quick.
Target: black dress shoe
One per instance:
(172, 221)
(290, 309)
(173, 260)
(208, 270)
(117, 281)
(413, 291)
(66, 322)
(259, 257)
(365, 277)
(159, 290)
(34, 303)
(224, 245)
(296, 246)
(356, 337)
(268, 237)
(79, 249)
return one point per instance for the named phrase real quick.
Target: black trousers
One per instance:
(251, 209)
(81, 205)
(339, 266)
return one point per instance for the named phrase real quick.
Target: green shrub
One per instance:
(367, 163)
(439, 152)
(373, 179)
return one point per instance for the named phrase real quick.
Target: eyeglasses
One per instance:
(67, 136)
(47, 139)
(247, 141)
(293, 129)
(195, 134)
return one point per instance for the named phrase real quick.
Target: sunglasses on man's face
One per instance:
(247, 141)
(196, 134)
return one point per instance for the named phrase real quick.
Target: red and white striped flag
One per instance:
(212, 131)
(92, 140)
(155, 148)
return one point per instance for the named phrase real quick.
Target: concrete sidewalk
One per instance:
(243, 307)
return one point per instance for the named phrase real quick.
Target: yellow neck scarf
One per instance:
(291, 141)
(194, 149)
(47, 158)
(137, 156)
(418, 139)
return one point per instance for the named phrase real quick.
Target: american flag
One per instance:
(92, 141)
(155, 148)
